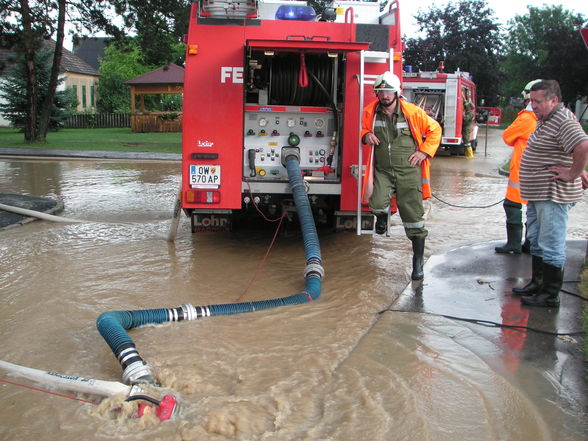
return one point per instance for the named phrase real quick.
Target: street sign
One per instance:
(489, 115)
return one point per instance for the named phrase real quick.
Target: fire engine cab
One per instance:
(266, 79)
(442, 95)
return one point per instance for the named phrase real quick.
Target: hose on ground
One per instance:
(114, 324)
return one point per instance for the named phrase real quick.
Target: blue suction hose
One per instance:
(113, 325)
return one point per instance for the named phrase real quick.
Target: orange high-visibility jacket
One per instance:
(426, 133)
(516, 135)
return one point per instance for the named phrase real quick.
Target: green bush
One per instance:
(169, 116)
(509, 113)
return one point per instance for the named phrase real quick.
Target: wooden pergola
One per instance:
(168, 79)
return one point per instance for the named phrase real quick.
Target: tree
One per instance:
(27, 37)
(465, 36)
(122, 61)
(160, 28)
(13, 91)
(26, 24)
(47, 101)
(546, 43)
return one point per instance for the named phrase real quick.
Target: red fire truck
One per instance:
(442, 96)
(262, 77)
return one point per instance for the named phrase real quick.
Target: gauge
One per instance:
(262, 122)
(319, 123)
(291, 122)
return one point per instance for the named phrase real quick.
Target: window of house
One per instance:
(75, 92)
(92, 95)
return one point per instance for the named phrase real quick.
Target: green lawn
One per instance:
(98, 139)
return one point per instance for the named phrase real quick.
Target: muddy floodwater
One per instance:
(332, 369)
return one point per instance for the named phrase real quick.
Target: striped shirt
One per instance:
(552, 143)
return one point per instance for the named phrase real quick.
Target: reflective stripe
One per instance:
(379, 123)
(426, 181)
(514, 184)
(420, 224)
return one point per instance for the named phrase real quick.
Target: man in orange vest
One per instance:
(403, 138)
(516, 136)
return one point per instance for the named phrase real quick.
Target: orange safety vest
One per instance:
(425, 131)
(516, 135)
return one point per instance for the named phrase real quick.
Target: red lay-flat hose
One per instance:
(302, 75)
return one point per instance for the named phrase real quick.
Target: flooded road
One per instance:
(333, 369)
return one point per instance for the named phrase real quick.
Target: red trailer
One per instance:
(442, 95)
(259, 81)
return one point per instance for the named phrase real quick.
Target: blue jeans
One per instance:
(547, 223)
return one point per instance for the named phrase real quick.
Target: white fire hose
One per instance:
(72, 383)
(40, 215)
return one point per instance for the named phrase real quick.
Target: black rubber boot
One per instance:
(418, 259)
(534, 285)
(514, 235)
(548, 296)
(381, 221)
(526, 247)
(514, 228)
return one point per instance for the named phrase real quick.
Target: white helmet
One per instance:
(387, 81)
(527, 90)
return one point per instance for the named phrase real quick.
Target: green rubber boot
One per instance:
(514, 235)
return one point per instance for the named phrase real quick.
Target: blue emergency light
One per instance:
(289, 12)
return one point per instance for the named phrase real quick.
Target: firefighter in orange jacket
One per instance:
(403, 138)
(516, 135)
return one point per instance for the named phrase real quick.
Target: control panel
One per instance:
(270, 128)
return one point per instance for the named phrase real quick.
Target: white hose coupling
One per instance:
(289, 153)
(138, 372)
(314, 268)
(189, 311)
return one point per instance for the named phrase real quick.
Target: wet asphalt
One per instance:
(471, 284)
(95, 154)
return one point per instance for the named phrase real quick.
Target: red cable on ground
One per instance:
(48, 391)
(262, 263)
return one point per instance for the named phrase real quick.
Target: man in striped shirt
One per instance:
(550, 174)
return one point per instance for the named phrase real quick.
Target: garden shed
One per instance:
(167, 79)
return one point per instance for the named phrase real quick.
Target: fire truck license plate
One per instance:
(205, 176)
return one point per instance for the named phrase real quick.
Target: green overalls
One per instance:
(394, 174)
(467, 123)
